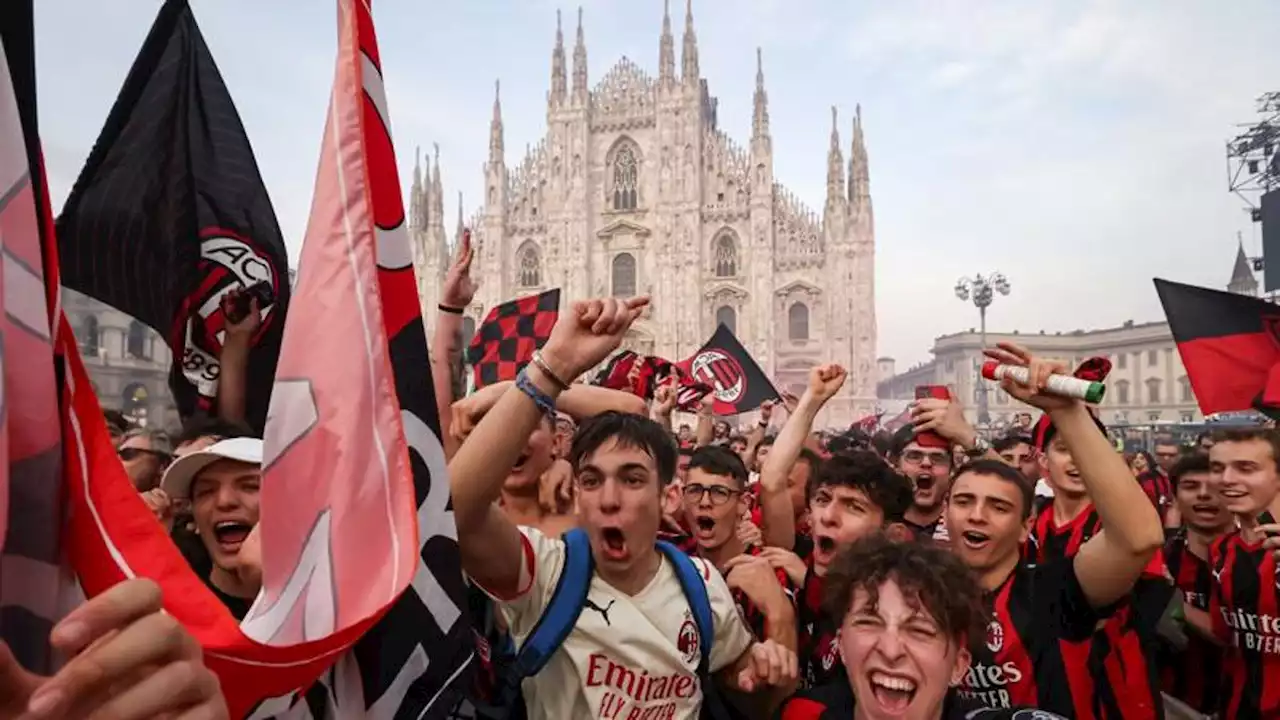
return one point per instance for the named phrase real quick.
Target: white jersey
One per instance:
(628, 656)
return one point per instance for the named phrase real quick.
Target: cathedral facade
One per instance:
(635, 190)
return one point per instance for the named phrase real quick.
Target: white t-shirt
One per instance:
(628, 656)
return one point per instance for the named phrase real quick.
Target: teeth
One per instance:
(893, 682)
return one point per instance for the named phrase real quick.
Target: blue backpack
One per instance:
(567, 601)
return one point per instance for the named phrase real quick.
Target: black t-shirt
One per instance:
(238, 606)
(834, 701)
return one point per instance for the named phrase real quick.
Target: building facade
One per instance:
(127, 361)
(635, 190)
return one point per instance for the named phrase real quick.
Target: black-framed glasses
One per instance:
(915, 457)
(719, 493)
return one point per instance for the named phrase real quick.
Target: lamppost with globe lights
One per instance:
(982, 289)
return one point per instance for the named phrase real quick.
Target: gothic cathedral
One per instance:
(634, 189)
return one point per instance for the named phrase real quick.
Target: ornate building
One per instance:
(634, 189)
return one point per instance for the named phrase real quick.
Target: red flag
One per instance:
(1230, 346)
(735, 377)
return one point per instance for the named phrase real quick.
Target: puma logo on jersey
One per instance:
(604, 611)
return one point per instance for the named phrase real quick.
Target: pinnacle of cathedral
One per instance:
(1242, 280)
(557, 66)
(760, 116)
(666, 49)
(859, 171)
(415, 192)
(835, 164)
(436, 211)
(495, 125)
(689, 60)
(457, 234)
(580, 63)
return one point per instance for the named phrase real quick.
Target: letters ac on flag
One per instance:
(1230, 346)
(738, 383)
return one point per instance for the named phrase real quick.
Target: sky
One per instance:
(1076, 146)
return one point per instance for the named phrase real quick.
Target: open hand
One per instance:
(585, 335)
(1038, 370)
(459, 287)
(129, 660)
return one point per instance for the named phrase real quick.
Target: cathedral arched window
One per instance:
(798, 321)
(726, 256)
(626, 178)
(136, 341)
(89, 338)
(727, 317)
(624, 275)
(530, 266)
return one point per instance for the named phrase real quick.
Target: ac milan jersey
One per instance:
(835, 701)
(751, 614)
(1193, 675)
(819, 650)
(1159, 490)
(1244, 605)
(1035, 651)
(1049, 540)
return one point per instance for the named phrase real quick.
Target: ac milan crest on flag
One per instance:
(641, 376)
(1230, 346)
(736, 380)
(505, 341)
(170, 213)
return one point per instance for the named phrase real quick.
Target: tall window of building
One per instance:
(1122, 360)
(136, 340)
(1153, 357)
(1122, 391)
(728, 317)
(626, 179)
(624, 275)
(798, 321)
(1184, 390)
(530, 266)
(726, 256)
(1153, 390)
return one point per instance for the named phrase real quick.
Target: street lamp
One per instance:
(982, 288)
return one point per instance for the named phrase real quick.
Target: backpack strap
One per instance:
(695, 591)
(562, 611)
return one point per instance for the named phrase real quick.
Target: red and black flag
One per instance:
(641, 375)
(737, 381)
(170, 213)
(1230, 346)
(505, 341)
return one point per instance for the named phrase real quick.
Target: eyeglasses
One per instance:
(915, 457)
(719, 493)
(133, 453)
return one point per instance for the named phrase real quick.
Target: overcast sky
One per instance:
(1075, 145)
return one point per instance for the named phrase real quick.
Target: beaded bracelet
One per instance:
(539, 398)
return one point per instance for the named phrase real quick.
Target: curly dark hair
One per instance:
(927, 574)
(864, 470)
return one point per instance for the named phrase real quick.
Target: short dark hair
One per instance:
(1196, 462)
(1248, 434)
(866, 471)
(901, 438)
(1005, 472)
(927, 574)
(1009, 442)
(1166, 440)
(199, 426)
(807, 455)
(882, 441)
(719, 460)
(628, 430)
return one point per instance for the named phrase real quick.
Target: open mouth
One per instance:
(704, 525)
(924, 482)
(231, 533)
(1204, 509)
(974, 540)
(893, 692)
(614, 544)
(520, 461)
(825, 545)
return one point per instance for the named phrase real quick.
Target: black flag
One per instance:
(737, 380)
(170, 213)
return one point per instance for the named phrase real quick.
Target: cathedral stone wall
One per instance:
(635, 190)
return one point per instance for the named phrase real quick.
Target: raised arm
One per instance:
(584, 335)
(233, 361)
(777, 513)
(1110, 563)
(458, 291)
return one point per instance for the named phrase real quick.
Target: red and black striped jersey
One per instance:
(751, 614)
(819, 651)
(1159, 490)
(1244, 605)
(684, 542)
(1049, 540)
(835, 701)
(1194, 674)
(1036, 649)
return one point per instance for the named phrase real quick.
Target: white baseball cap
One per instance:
(177, 479)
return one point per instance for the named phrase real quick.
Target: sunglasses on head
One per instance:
(133, 453)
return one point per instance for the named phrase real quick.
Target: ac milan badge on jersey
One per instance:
(687, 641)
(995, 636)
(829, 657)
(722, 372)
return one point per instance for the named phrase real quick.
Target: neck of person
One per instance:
(231, 584)
(1068, 507)
(633, 579)
(922, 516)
(1198, 541)
(523, 508)
(994, 577)
(718, 556)
(1249, 523)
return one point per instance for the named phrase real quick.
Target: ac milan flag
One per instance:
(641, 376)
(170, 213)
(736, 380)
(1230, 346)
(504, 343)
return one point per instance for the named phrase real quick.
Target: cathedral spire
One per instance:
(760, 118)
(666, 49)
(835, 164)
(437, 192)
(692, 75)
(495, 125)
(859, 171)
(580, 63)
(457, 234)
(415, 192)
(557, 66)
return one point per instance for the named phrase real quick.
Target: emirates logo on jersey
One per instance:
(687, 641)
(829, 657)
(995, 636)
